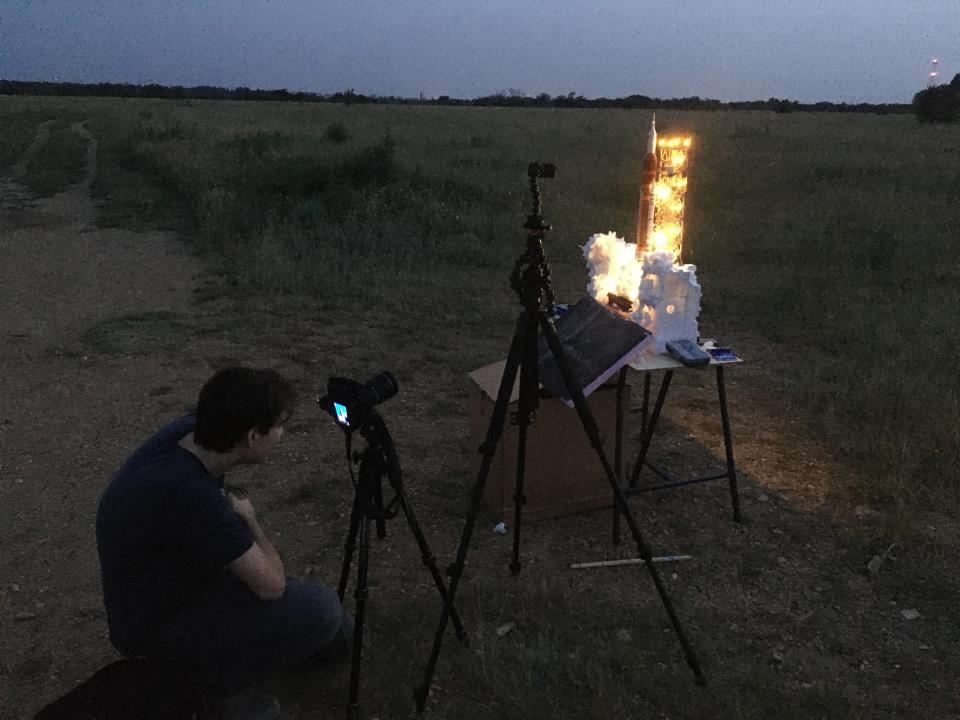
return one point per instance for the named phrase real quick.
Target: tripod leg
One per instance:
(349, 547)
(488, 450)
(381, 521)
(590, 426)
(361, 593)
(428, 558)
(526, 411)
(519, 498)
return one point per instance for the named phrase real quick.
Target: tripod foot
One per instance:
(420, 696)
(515, 567)
(700, 679)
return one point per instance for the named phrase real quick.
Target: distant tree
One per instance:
(938, 104)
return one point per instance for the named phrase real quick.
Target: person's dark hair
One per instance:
(236, 400)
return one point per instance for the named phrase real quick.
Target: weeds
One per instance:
(336, 132)
(19, 128)
(57, 163)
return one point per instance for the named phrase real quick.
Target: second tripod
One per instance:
(378, 460)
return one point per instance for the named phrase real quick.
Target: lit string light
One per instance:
(669, 195)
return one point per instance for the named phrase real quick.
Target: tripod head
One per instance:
(535, 171)
(530, 278)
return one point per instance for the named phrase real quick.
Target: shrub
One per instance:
(336, 132)
(374, 165)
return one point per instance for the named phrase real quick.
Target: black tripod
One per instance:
(379, 458)
(531, 281)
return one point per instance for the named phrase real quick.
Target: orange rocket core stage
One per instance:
(660, 215)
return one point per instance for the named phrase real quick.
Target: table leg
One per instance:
(728, 445)
(651, 427)
(618, 454)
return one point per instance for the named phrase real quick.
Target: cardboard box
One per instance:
(563, 474)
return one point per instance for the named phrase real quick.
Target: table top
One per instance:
(647, 362)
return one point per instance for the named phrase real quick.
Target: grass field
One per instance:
(824, 241)
(831, 237)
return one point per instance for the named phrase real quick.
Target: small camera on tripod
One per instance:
(351, 402)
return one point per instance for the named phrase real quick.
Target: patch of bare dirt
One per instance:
(66, 416)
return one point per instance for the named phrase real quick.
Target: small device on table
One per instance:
(688, 353)
(722, 355)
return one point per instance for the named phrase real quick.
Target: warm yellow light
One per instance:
(660, 241)
(673, 152)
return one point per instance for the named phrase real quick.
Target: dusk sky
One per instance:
(807, 50)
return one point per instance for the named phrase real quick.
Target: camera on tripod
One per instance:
(351, 402)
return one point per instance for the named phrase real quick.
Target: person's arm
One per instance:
(260, 567)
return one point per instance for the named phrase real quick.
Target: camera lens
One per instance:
(380, 387)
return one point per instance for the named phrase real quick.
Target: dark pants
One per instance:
(227, 637)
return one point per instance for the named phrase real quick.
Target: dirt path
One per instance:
(60, 275)
(63, 273)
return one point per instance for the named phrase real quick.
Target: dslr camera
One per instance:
(351, 402)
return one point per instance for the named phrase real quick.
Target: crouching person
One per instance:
(190, 579)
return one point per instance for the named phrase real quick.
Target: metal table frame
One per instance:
(648, 426)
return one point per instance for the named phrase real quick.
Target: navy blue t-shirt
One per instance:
(165, 530)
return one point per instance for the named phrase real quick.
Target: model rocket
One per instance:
(645, 212)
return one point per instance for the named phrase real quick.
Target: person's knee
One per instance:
(337, 648)
(315, 613)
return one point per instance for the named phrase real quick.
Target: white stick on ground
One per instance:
(628, 561)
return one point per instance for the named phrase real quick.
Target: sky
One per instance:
(808, 50)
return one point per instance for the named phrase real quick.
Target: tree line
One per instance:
(511, 98)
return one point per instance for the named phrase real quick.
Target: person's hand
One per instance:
(244, 508)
